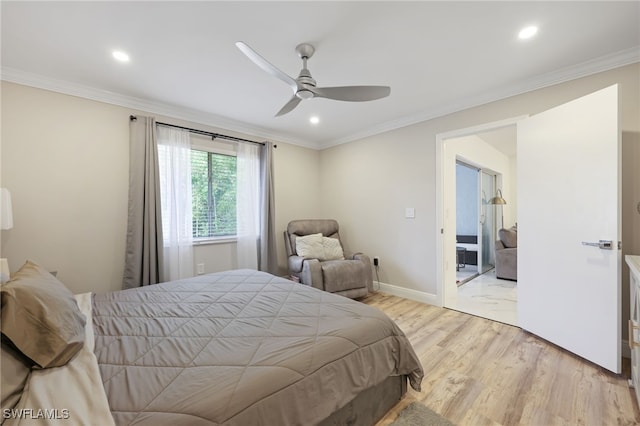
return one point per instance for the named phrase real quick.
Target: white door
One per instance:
(569, 193)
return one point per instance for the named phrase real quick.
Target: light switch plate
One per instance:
(410, 213)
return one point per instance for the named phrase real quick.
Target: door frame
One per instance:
(497, 184)
(441, 138)
(480, 169)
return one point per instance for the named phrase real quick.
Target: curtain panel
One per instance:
(247, 204)
(267, 255)
(174, 155)
(256, 244)
(144, 254)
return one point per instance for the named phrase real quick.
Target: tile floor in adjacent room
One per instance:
(485, 296)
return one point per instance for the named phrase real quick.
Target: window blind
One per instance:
(213, 181)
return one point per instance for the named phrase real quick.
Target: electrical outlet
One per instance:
(200, 268)
(376, 261)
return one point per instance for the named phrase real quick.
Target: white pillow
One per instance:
(310, 246)
(332, 249)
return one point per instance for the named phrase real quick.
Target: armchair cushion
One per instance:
(507, 263)
(341, 275)
(295, 264)
(332, 249)
(315, 246)
(509, 237)
(310, 246)
(507, 254)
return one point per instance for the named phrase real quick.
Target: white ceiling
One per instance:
(438, 57)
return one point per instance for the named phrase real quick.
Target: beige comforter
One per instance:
(241, 348)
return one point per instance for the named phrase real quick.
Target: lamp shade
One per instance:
(498, 198)
(4, 271)
(6, 214)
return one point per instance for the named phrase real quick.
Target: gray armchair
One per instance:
(507, 254)
(349, 276)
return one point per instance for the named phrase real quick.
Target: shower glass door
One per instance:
(486, 257)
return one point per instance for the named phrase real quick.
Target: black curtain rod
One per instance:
(205, 133)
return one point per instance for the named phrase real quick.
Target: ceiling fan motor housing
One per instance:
(304, 87)
(304, 79)
(304, 94)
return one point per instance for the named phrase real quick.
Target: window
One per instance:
(213, 182)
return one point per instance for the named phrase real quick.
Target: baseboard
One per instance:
(407, 293)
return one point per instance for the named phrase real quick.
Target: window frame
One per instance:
(204, 143)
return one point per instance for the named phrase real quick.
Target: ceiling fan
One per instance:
(304, 87)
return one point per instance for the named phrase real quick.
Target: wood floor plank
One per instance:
(484, 373)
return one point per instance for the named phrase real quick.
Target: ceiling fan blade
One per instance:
(266, 65)
(352, 93)
(293, 102)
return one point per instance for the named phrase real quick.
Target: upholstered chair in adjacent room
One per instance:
(316, 258)
(507, 254)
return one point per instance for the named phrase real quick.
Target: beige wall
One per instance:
(297, 178)
(65, 161)
(366, 184)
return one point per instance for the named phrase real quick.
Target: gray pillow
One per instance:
(41, 317)
(509, 237)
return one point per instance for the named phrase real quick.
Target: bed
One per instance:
(236, 348)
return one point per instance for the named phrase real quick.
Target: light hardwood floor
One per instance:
(480, 372)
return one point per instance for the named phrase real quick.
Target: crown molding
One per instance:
(584, 69)
(604, 63)
(153, 107)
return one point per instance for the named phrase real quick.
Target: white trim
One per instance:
(604, 63)
(440, 231)
(480, 128)
(231, 239)
(153, 107)
(407, 293)
(214, 146)
(625, 350)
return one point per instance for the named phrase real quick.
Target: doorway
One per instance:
(577, 279)
(468, 201)
(488, 229)
(476, 229)
(488, 167)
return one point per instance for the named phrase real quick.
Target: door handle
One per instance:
(602, 244)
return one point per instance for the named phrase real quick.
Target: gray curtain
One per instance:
(143, 262)
(267, 256)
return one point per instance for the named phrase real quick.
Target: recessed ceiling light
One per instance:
(314, 119)
(527, 32)
(120, 56)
